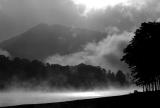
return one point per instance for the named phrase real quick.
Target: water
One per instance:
(21, 97)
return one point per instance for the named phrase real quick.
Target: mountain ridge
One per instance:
(45, 40)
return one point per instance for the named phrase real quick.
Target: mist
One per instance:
(33, 91)
(106, 53)
(44, 83)
(56, 77)
(17, 16)
(23, 97)
(5, 53)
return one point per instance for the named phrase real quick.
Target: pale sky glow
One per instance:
(99, 4)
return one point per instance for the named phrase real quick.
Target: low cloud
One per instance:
(5, 53)
(112, 30)
(106, 53)
(24, 14)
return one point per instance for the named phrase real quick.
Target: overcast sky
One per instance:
(120, 20)
(18, 15)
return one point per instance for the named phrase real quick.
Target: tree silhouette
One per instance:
(33, 74)
(120, 76)
(142, 56)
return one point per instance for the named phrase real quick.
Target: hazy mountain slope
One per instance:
(44, 40)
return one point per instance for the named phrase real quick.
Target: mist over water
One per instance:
(20, 97)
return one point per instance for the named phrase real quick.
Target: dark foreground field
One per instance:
(136, 100)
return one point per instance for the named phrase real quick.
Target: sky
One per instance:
(119, 18)
(17, 16)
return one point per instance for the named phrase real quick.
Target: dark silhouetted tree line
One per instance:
(33, 74)
(143, 57)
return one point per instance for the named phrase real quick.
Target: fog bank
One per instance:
(31, 97)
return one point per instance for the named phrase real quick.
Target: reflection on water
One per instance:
(18, 98)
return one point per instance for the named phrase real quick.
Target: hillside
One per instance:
(45, 40)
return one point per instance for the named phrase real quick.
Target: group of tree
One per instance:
(143, 57)
(33, 74)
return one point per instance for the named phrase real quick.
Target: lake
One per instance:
(17, 97)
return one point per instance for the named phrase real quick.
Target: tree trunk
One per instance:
(143, 89)
(155, 84)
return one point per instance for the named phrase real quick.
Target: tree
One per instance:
(34, 74)
(142, 56)
(120, 76)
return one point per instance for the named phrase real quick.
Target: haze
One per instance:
(16, 16)
(19, 97)
(69, 33)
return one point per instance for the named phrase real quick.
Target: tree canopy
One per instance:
(33, 74)
(143, 57)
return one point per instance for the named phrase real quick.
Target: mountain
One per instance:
(45, 40)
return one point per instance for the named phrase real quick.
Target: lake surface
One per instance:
(21, 97)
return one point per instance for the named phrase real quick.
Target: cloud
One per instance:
(106, 53)
(24, 14)
(125, 17)
(28, 13)
(5, 53)
(118, 21)
(0, 6)
(111, 30)
(1, 3)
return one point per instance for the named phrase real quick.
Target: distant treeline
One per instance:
(24, 73)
